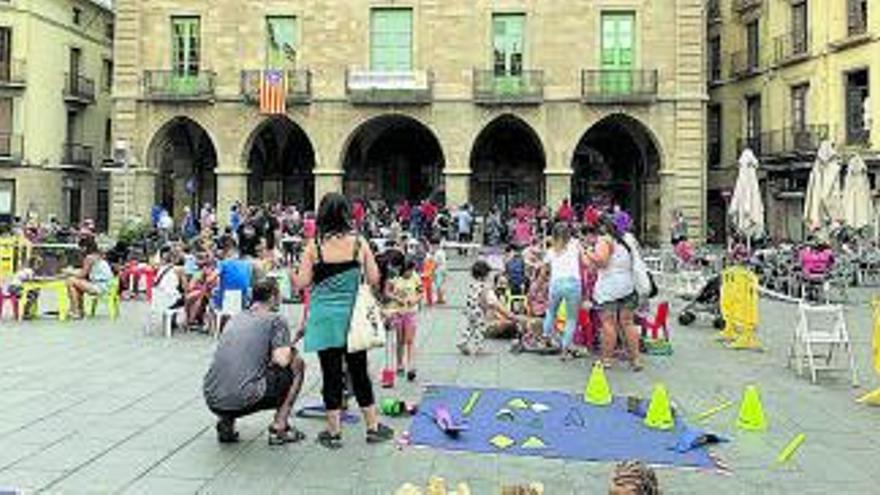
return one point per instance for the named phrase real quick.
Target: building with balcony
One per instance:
(480, 103)
(783, 76)
(55, 80)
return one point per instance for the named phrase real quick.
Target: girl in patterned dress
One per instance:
(481, 302)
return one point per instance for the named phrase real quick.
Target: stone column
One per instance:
(327, 181)
(458, 184)
(232, 186)
(668, 204)
(557, 184)
(132, 194)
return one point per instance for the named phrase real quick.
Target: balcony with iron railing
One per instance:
(745, 5)
(791, 47)
(382, 87)
(174, 86)
(744, 64)
(793, 140)
(298, 85)
(607, 86)
(11, 148)
(76, 154)
(78, 89)
(13, 74)
(526, 87)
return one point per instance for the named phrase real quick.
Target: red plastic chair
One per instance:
(13, 300)
(661, 321)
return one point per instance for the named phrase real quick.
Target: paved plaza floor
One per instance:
(98, 407)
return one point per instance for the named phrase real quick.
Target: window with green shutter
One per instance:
(391, 39)
(508, 42)
(280, 42)
(186, 53)
(618, 51)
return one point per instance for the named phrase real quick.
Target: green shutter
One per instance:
(508, 42)
(185, 56)
(280, 42)
(618, 51)
(391, 40)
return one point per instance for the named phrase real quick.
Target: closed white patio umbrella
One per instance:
(822, 201)
(858, 207)
(746, 205)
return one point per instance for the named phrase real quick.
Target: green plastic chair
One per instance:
(110, 297)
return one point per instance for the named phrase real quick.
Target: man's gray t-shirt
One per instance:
(237, 376)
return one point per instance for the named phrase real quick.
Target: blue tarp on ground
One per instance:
(568, 429)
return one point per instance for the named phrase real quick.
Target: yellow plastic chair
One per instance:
(58, 286)
(110, 297)
(873, 398)
(14, 253)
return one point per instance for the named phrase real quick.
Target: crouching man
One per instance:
(256, 368)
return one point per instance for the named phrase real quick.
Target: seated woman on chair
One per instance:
(93, 278)
(201, 286)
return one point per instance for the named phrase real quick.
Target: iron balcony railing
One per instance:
(523, 88)
(743, 63)
(744, 5)
(13, 73)
(791, 140)
(382, 87)
(169, 85)
(298, 83)
(791, 46)
(11, 147)
(787, 141)
(618, 86)
(79, 89)
(76, 154)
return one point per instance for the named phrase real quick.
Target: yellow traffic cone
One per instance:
(598, 392)
(871, 398)
(659, 414)
(751, 412)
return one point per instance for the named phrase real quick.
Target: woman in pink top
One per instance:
(522, 233)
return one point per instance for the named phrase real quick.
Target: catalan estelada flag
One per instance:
(273, 93)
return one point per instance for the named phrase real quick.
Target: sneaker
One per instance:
(411, 375)
(381, 434)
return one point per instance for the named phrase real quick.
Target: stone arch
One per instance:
(617, 161)
(392, 157)
(184, 155)
(507, 164)
(280, 160)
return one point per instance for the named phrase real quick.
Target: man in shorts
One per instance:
(256, 368)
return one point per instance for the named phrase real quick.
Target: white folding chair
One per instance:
(160, 313)
(233, 303)
(821, 342)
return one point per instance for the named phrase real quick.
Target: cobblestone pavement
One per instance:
(97, 406)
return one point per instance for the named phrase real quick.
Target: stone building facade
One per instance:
(783, 76)
(488, 102)
(55, 83)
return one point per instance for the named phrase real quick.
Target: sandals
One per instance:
(288, 435)
(329, 440)
(381, 434)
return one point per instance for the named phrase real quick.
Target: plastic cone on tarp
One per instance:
(751, 412)
(659, 414)
(598, 392)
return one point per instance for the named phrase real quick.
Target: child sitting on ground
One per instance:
(481, 304)
(404, 294)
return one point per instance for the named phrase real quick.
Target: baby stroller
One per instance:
(706, 303)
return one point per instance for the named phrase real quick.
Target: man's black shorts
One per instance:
(278, 382)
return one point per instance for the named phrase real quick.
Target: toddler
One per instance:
(404, 294)
(481, 304)
(439, 255)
